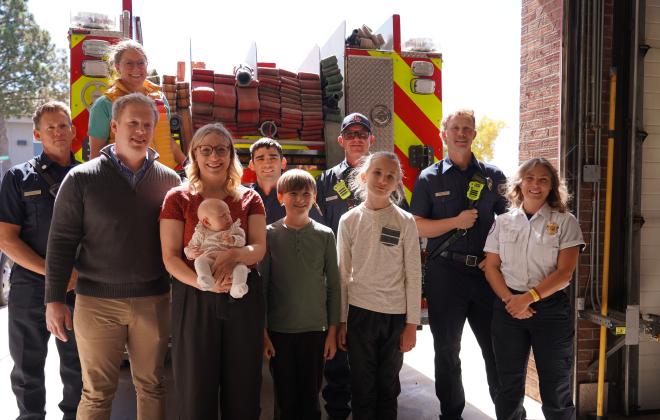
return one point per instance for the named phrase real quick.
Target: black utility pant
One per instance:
(297, 370)
(337, 389)
(549, 333)
(375, 359)
(456, 292)
(28, 347)
(217, 348)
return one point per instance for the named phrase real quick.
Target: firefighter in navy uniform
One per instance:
(335, 198)
(268, 162)
(457, 227)
(27, 197)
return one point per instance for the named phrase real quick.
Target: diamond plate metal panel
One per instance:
(370, 91)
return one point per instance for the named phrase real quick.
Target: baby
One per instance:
(216, 231)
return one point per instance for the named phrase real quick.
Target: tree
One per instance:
(487, 132)
(31, 69)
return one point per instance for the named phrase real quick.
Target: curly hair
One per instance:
(558, 198)
(359, 186)
(234, 172)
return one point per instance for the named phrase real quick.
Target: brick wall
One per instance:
(540, 122)
(540, 79)
(540, 97)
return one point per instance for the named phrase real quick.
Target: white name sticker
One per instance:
(442, 193)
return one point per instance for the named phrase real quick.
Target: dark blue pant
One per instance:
(455, 293)
(375, 359)
(297, 370)
(217, 352)
(28, 347)
(549, 333)
(337, 390)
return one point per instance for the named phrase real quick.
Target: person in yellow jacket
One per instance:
(130, 62)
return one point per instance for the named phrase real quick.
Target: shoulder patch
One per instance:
(501, 188)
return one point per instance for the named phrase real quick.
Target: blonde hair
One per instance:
(468, 113)
(50, 106)
(234, 172)
(359, 186)
(558, 197)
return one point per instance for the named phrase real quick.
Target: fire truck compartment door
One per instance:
(369, 90)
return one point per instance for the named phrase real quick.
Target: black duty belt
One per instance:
(469, 260)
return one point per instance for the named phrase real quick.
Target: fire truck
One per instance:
(400, 91)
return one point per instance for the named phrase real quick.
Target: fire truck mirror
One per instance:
(420, 157)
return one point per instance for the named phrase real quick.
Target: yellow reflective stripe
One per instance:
(408, 194)
(403, 135)
(430, 105)
(76, 39)
(77, 89)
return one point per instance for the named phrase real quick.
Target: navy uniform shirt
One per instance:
(274, 209)
(334, 197)
(25, 201)
(440, 192)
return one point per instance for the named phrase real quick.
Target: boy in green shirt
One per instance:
(301, 283)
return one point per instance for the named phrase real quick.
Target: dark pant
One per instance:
(455, 293)
(28, 347)
(297, 370)
(549, 333)
(217, 347)
(375, 359)
(337, 390)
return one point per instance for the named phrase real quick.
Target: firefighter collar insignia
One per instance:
(552, 228)
(342, 189)
(489, 182)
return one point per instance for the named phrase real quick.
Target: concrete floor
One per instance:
(416, 402)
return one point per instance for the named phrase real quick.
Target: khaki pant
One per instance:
(104, 327)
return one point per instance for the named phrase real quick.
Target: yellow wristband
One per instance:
(535, 295)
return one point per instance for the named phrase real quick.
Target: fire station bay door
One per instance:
(649, 352)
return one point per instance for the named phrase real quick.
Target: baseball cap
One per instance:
(355, 118)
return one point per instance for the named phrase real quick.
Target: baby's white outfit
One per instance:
(210, 241)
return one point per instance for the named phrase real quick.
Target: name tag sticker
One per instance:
(389, 236)
(331, 198)
(442, 193)
(31, 193)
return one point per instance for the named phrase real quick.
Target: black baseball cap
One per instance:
(355, 118)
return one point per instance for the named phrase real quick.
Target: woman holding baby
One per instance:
(215, 338)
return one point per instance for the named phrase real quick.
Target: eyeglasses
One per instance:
(131, 64)
(206, 150)
(352, 135)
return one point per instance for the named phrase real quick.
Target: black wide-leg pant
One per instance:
(217, 348)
